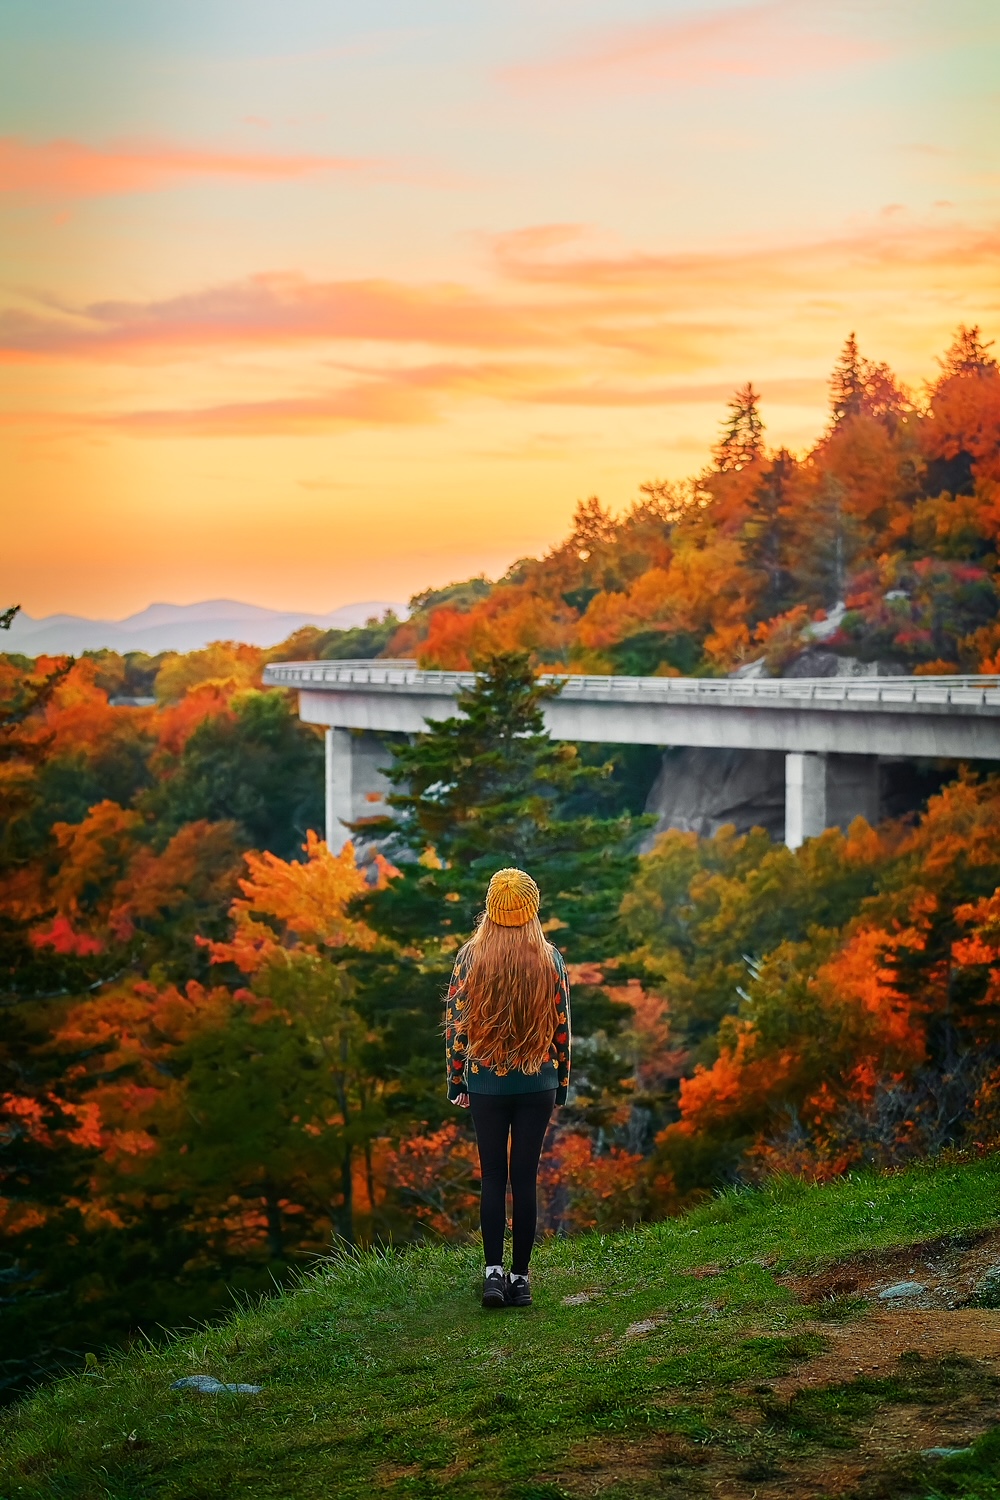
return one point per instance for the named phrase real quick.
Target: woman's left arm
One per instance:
(564, 1033)
(455, 1042)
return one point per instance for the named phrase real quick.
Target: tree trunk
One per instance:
(346, 1215)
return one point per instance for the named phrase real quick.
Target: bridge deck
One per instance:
(832, 731)
(964, 695)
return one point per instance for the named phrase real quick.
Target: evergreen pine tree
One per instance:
(476, 792)
(847, 383)
(768, 540)
(741, 442)
(968, 355)
(864, 387)
(488, 788)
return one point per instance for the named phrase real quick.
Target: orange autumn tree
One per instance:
(109, 892)
(807, 1040)
(433, 1176)
(257, 1091)
(583, 1188)
(694, 577)
(852, 982)
(976, 956)
(289, 925)
(298, 906)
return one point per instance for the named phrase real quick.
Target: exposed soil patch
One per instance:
(949, 1268)
(759, 1465)
(872, 1346)
(909, 1374)
(653, 1464)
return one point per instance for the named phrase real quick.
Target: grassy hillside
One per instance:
(739, 1350)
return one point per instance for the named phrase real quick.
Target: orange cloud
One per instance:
(773, 38)
(521, 256)
(560, 326)
(419, 395)
(675, 311)
(382, 403)
(402, 397)
(281, 309)
(73, 169)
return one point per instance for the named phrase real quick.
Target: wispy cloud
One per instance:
(415, 394)
(558, 325)
(551, 291)
(869, 252)
(73, 169)
(420, 394)
(768, 39)
(376, 404)
(284, 308)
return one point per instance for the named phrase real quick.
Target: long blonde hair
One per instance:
(511, 1007)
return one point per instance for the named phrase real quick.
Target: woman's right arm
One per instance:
(564, 1031)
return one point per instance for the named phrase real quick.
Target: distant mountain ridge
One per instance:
(179, 627)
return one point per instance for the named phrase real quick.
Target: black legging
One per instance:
(523, 1119)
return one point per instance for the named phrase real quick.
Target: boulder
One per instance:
(699, 791)
(816, 663)
(901, 1290)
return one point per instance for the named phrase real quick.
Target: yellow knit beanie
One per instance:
(512, 898)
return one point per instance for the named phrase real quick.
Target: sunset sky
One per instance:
(309, 302)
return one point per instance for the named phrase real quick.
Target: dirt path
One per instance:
(918, 1335)
(872, 1345)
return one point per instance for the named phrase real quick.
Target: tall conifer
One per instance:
(968, 355)
(742, 440)
(487, 788)
(847, 383)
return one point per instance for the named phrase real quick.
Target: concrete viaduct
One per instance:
(832, 731)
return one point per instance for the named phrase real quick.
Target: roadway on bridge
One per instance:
(953, 718)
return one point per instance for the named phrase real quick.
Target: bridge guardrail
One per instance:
(957, 691)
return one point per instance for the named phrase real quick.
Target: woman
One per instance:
(508, 1045)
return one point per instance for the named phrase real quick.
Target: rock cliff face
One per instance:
(816, 663)
(698, 791)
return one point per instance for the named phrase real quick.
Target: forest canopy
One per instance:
(890, 521)
(221, 1050)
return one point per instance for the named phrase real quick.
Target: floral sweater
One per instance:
(467, 1076)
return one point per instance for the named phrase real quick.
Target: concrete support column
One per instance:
(339, 787)
(829, 791)
(356, 784)
(805, 797)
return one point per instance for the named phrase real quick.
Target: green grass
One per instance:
(382, 1375)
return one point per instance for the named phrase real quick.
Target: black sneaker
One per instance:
(493, 1290)
(518, 1290)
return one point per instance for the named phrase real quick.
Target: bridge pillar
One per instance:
(339, 787)
(828, 791)
(805, 797)
(355, 784)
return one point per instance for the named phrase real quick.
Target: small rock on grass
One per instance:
(579, 1298)
(209, 1386)
(901, 1289)
(635, 1330)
